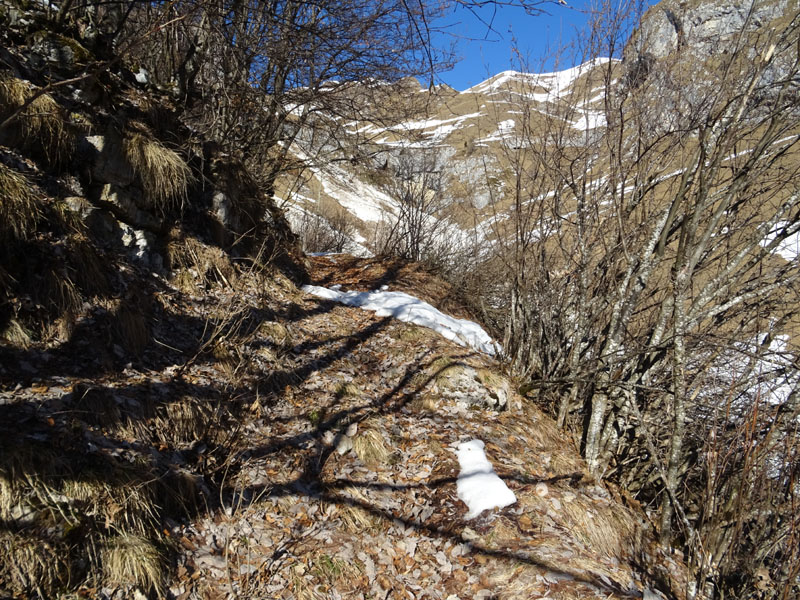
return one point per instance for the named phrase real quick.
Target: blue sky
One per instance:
(487, 52)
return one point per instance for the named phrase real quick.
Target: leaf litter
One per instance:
(295, 518)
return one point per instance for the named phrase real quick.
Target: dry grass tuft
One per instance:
(131, 328)
(425, 402)
(332, 569)
(16, 335)
(164, 175)
(181, 423)
(90, 271)
(44, 495)
(491, 379)
(13, 92)
(19, 206)
(96, 406)
(184, 421)
(181, 491)
(347, 389)
(184, 280)
(355, 518)
(443, 368)
(603, 530)
(40, 126)
(61, 292)
(132, 560)
(31, 568)
(198, 264)
(371, 448)
(278, 334)
(119, 500)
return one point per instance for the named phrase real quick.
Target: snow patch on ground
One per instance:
(413, 310)
(478, 485)
(590, 119)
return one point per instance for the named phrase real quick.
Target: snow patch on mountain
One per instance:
(555, 84)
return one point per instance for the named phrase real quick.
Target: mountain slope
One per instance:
(469, 136)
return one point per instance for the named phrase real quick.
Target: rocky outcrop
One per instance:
(699, 25)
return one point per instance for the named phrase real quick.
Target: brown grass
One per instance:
(118, 499)
(90, 270)
(96, 406)
(40, 126)
(16, 335)
(355, 518)
(198, 264)
(278, 334)
(45, 494)
(19, 205)
(131, 328)
(332, 569)
(188, 420)
(164, 175)
(371, 448)
(347, 389)
(59, 290)
(32, 568)
(602, 529)
(132, 560)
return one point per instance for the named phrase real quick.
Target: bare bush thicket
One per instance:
(647, 300)
(256, 76)
(331, 229)
(420, 230)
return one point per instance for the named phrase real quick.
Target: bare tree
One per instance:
(330, 230)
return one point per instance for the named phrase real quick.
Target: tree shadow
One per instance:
(158, 425)
(317, 452)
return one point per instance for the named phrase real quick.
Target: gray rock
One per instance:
(345, 445)
(52, 49)
(79, 205)
(466, 384)
(125, 202)
(108, 161)
(671, 25)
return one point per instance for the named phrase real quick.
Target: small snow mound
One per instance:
(478, 485)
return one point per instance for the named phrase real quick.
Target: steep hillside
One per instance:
(474, 138)
(179, 419)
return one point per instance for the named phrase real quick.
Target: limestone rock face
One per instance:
(108, 164)
(673, 24)
(125, 203)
